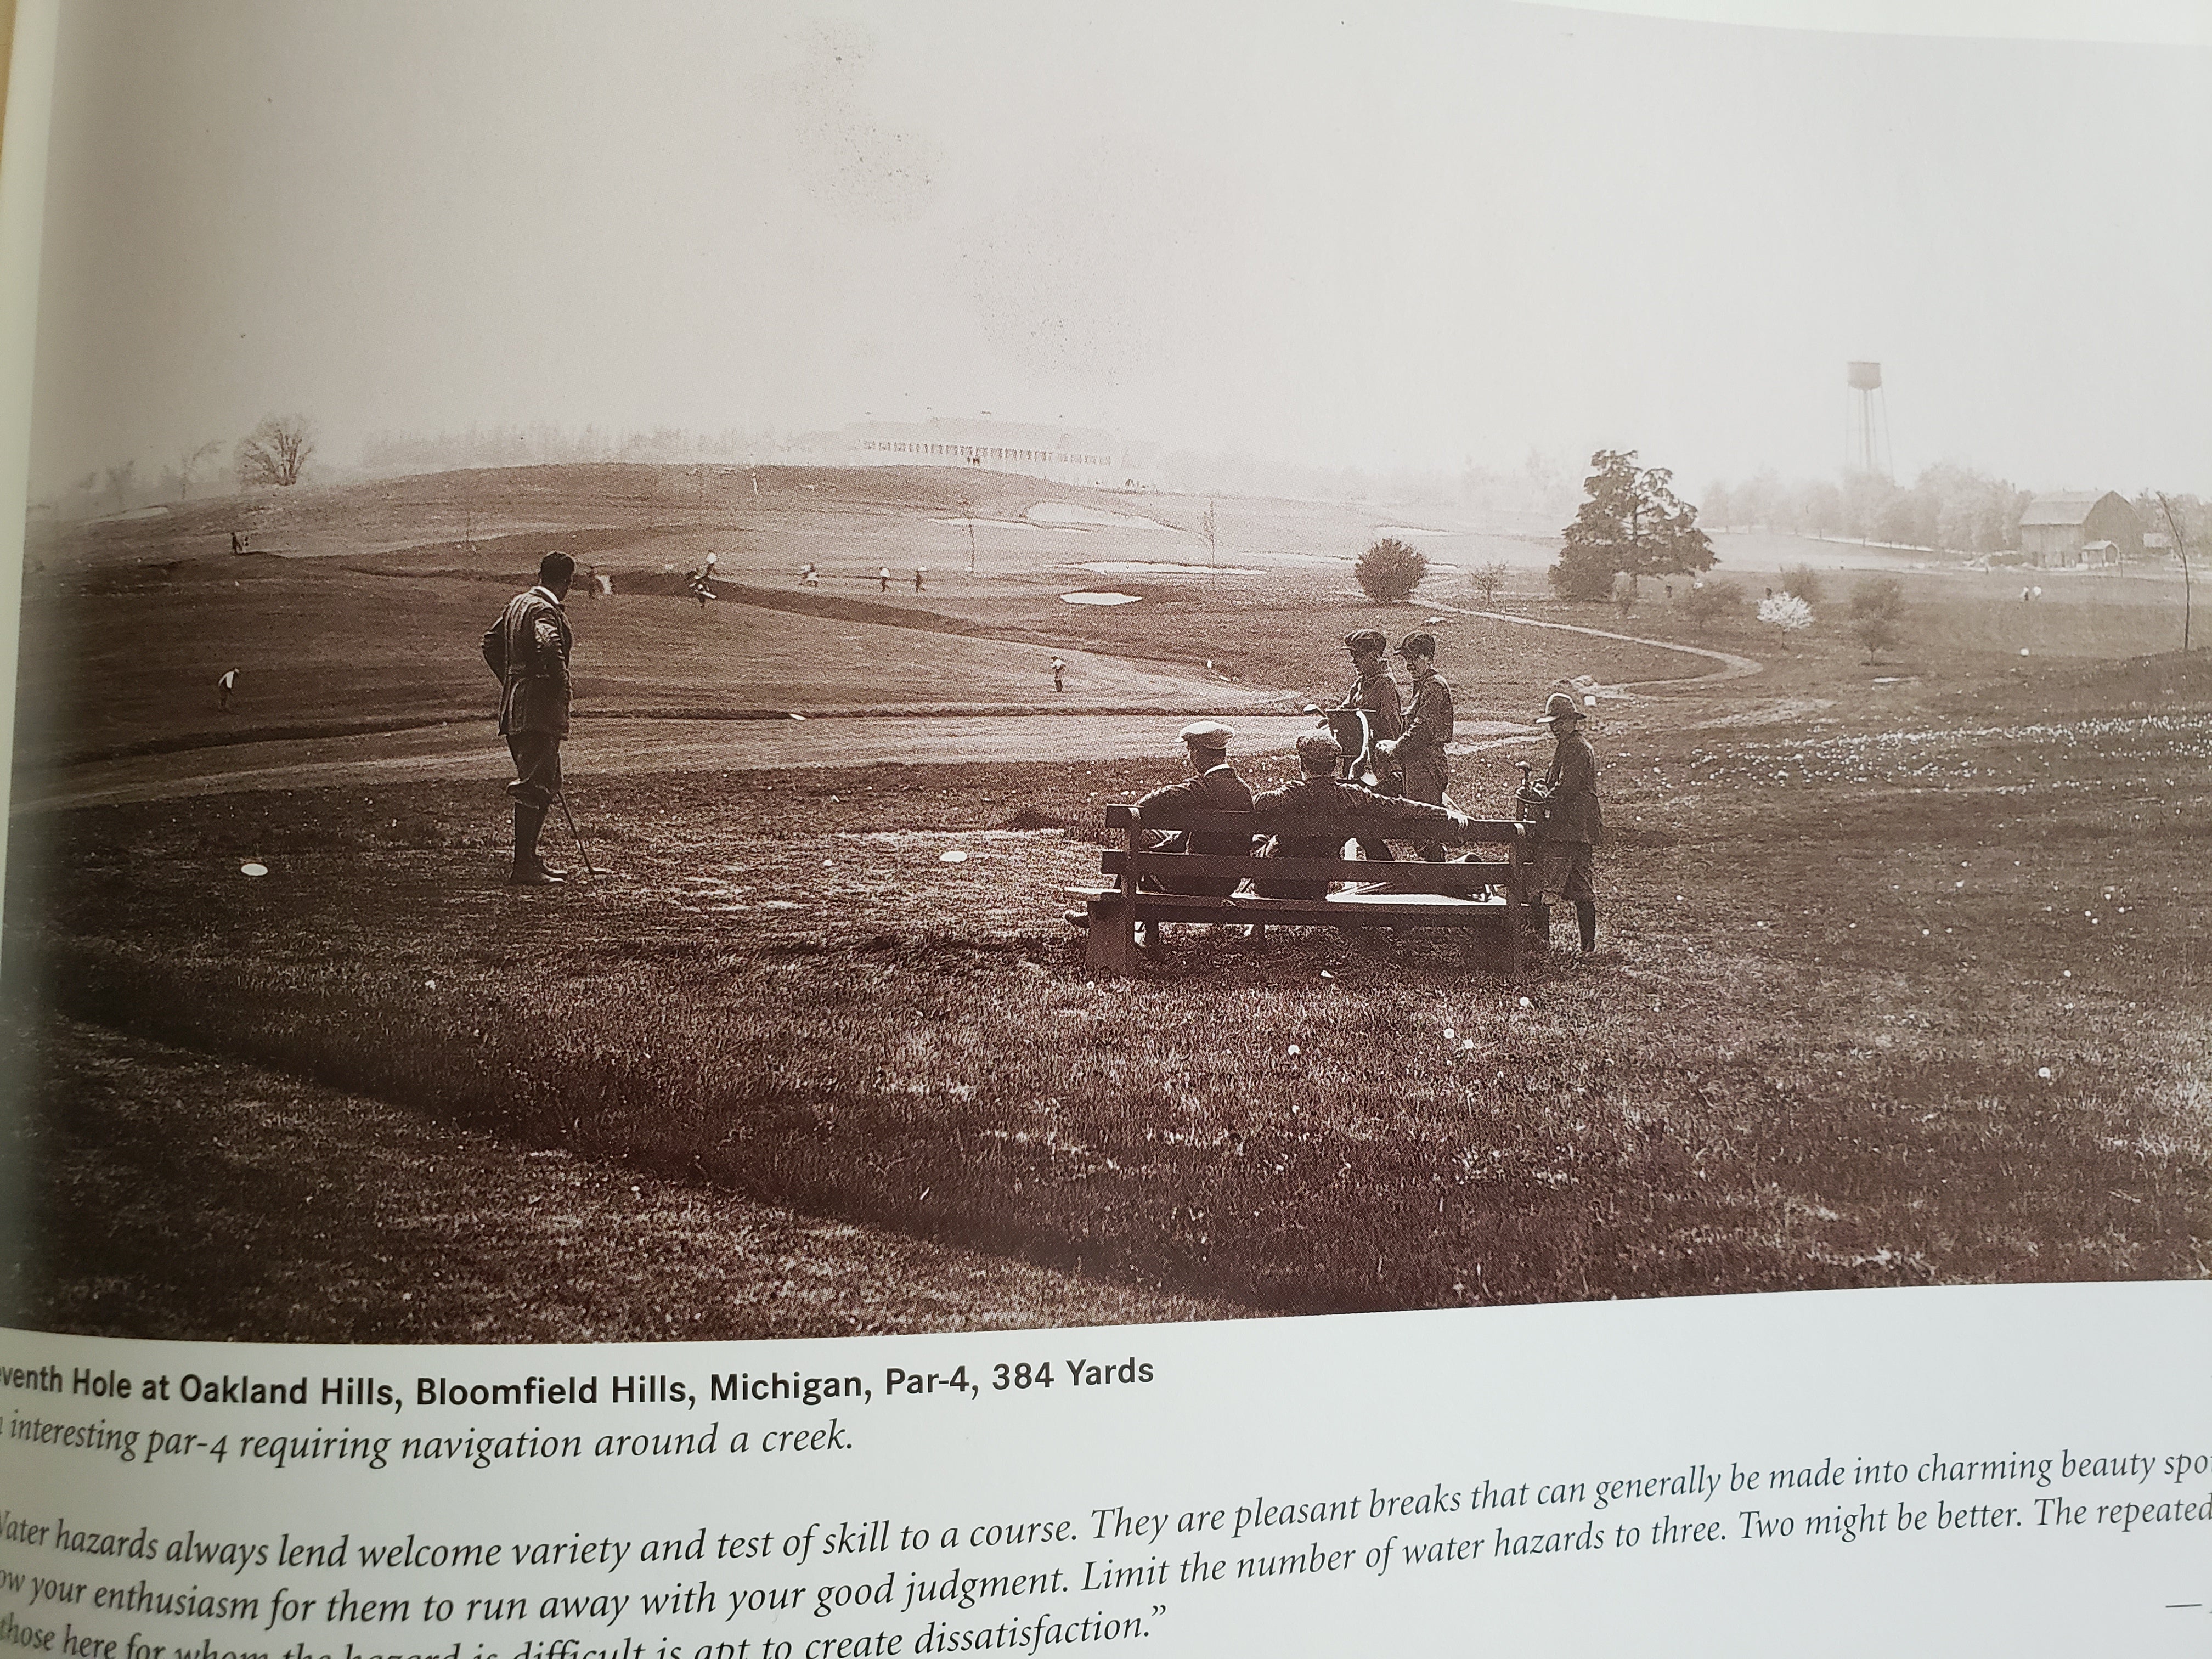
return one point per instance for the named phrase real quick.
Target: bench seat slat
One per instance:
(1414, 874)
(1321, 913)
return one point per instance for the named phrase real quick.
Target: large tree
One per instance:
(275, 451)
(1631, 523)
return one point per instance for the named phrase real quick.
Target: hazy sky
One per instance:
(1418, 235)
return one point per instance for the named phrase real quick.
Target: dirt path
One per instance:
(1732, 667)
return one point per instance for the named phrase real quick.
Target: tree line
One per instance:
(274, 455)
(1948, 507)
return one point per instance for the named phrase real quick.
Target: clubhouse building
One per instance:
(1056, 454)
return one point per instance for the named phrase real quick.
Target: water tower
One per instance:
(1867, 448)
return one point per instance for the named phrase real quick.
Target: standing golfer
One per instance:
(226, 684)
(528, 649)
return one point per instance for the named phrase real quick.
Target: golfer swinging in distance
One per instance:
(528, 649)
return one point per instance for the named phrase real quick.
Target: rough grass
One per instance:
(319, 1216)
(1842, 958)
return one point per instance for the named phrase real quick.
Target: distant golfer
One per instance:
(224, 686)
(884, 580)
(917, 581)
(1059, 675)
(528, 648)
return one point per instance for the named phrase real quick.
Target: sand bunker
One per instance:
(1060, 515)
(1098, 599)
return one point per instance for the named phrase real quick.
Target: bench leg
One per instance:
(1111, 945)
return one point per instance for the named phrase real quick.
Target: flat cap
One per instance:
(1361, 640)
(1419, 643)
(1317, 747)
(1206, 734)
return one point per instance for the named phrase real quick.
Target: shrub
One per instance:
(1706, 603)
(1390, 571)
(1878, 614)
(1804, 581)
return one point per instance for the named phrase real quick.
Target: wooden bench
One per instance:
(1498, 928)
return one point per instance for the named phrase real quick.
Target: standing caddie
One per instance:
(1374, 695)
(1572, 824)
(1419, 750)
(528, 648)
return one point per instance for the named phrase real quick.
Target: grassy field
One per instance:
(127, 624)
(329, 1216)
(1904, 983)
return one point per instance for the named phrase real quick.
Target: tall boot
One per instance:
(1586, 914)
(530, 870)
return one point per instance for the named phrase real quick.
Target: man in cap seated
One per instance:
(1329, 804)
(1212, 786)
(1571, 824)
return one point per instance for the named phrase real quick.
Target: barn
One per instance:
(2060, 531)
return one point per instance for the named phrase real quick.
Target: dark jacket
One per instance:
(528, 649)
(1331, 806)
(1218, 789)
(1377, 693)
(1428, 724)
(1571, 813)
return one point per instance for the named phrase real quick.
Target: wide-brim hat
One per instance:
(1559, 706)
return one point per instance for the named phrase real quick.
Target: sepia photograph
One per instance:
(702, 671)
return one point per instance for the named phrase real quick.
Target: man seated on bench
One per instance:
(1212, 787)
(1330, 805)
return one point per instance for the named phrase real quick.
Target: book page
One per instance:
(837, 830)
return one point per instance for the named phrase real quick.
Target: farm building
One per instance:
(1059, 455)
(2058, 530)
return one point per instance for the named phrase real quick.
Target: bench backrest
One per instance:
(1122, 818)
(1130, 863)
